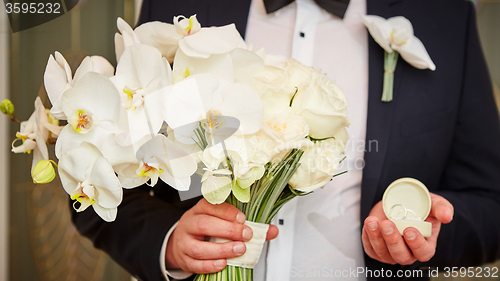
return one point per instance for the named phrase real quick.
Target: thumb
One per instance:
(272, 232)
(441, 208)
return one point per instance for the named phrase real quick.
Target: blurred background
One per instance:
(37, 240)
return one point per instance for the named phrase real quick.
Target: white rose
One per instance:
(284, 128)
(323, 106)
(342, 135)
(271, 83)
(318, 165)
(300, 75)
(274, 60)
(262, 147)
(270, 78)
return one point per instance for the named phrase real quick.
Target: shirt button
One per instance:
(281, 221)
(302, 34)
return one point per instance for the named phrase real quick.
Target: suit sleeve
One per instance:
(471, 180)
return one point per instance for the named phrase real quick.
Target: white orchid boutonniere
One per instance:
(395, 35)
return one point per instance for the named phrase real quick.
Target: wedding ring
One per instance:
(405, 210)
(396, 218)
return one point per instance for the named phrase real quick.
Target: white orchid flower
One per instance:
(244, 165)
(158, 158)
(186, 26)
(115, 152)
(248, 173)
(186, 34)
(34, 134)
(202, 42)
(58, 77)
(217, 180)
(90, 180)
(245, 65)
(208, 98)
(93, 110)
(216, 185)
(238, 66)
(396, 34)
(160, 35)
(141, 71)
(219, 65)
(125, 38)
(96, 64)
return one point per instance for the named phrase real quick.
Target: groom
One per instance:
(441, 128)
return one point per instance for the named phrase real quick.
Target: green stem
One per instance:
(14, 119)
(390, 62)
(293, 97)
(268, 195)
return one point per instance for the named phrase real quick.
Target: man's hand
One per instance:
(188, 249)
(382, 241)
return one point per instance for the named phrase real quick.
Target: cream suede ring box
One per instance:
(407, 203)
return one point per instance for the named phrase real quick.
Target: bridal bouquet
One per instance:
(259, 129)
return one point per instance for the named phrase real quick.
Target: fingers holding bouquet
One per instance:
(188, 248)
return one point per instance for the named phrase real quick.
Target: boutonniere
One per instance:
(395, 35)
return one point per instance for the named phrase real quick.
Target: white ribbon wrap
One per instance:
(254, 247)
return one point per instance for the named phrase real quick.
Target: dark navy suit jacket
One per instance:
(442, 128)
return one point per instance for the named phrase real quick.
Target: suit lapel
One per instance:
(380, 114)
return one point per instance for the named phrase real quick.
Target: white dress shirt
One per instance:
(319, 236)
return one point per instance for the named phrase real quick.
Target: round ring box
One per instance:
(407, 203)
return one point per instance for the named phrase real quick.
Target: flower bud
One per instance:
(43, 172)
(7, 107)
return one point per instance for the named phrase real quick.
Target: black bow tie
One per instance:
(336, 7)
